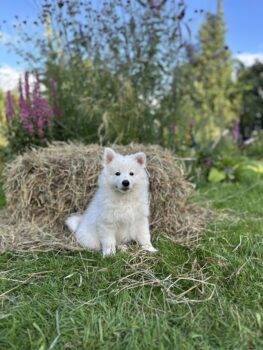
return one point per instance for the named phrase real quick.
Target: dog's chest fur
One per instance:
(124, 211)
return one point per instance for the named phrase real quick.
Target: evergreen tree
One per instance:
(212, 74)
(202, 84)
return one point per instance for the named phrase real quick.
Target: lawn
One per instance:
(207, 297)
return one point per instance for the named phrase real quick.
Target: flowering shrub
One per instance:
(112, 62)
(30, 120)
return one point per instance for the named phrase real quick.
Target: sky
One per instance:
(243, 18)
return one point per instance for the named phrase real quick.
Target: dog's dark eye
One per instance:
(131, 173)
(118, 173)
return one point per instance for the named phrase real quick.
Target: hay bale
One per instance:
(45, 185)
(25, 235)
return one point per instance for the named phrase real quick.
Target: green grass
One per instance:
(66, 300)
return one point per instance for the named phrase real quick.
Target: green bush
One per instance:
(224, 161)
(255, 149)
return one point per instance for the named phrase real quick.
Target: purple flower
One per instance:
(35, 111)
(236, 131)
(192, 124)
(24, 105)
(9, 110)
(41, 110)
(209, 162)
(25, 117)
(40, 126)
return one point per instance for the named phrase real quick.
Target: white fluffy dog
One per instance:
(119, 211)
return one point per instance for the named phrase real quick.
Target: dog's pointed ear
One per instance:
(108, 156)
(140, 158)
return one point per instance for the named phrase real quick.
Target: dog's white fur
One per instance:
(116, 214)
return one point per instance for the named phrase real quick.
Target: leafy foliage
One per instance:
(111, 62)
(255, 149)
(250, 83)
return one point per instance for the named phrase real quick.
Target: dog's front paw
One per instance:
(107, 251)
(149, 248)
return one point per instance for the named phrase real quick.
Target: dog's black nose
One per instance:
(125, 183)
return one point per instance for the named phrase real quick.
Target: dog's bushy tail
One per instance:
(73, 221)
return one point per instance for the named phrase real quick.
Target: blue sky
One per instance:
(244, 21)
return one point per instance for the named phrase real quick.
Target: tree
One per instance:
(250, 82)
(202, 84)
(212, 73)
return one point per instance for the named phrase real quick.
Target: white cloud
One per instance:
(9, 77)
(250, 58)
(5, 38)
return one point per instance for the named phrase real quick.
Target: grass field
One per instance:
(208, 297)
